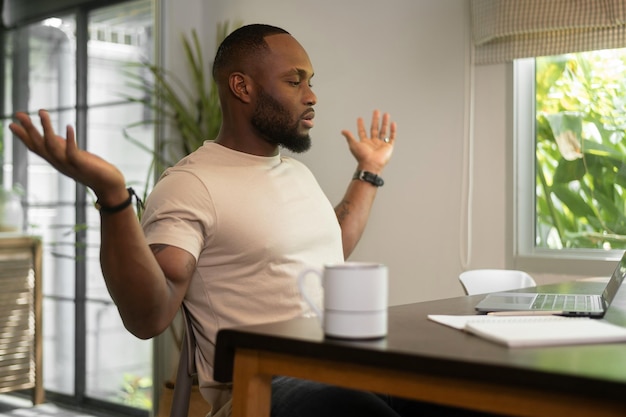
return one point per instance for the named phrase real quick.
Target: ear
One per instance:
(239, 83)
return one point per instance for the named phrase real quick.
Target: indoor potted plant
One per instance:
(190, 115)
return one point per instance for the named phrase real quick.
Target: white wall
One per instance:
(407, 57)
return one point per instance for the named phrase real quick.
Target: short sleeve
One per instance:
(179, 212)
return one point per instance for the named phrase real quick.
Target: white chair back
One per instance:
(481, 281)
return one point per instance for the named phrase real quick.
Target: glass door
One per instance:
(74, 65)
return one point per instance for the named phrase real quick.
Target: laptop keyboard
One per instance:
(561, 302)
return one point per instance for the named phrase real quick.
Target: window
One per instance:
(89, 357)
(570, 155)
(581, 175)
(566, 212)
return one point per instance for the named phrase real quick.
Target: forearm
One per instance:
(146, 299)
(135, 280)
(353, 213)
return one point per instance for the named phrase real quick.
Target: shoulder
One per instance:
(179, 188)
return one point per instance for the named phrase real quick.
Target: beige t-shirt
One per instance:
(253, 223)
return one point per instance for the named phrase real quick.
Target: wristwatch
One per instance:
(370, 177)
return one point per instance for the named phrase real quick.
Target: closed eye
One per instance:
(297, 83)
(295, 77)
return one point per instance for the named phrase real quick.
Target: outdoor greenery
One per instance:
(136, 391)
(580, 150)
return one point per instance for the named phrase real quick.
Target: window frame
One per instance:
(80, 396)
(525, 254)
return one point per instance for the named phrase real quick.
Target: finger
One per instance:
(19, 131)
(385, 126)
(22, 120)
(360, 124)
(71, 145)
(55, 146)
(392, 132)
(374, 131)
(25, 130)
(46, 124)
(348, 135)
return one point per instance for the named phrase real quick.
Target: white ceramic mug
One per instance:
(355, 299)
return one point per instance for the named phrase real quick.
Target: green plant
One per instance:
(580, 151)
(136, 391)
(192, 113)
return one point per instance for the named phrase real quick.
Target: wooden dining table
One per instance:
(427, 361)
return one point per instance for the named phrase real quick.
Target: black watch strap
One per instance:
(368, 177)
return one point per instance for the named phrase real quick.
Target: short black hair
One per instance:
(242, 43)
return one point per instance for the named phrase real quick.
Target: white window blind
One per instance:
(504, 30)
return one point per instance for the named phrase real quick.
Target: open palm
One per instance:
(64, 154)
(373, 151)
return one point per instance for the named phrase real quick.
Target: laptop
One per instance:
(565, 304)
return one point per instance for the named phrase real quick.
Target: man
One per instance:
(228, 229)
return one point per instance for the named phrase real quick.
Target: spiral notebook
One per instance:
(529, 331)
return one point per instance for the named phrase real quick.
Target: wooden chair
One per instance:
(186, 372)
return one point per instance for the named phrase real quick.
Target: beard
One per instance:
(273, 121)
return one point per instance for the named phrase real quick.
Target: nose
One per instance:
(309, 97)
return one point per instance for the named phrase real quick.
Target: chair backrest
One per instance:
(481, 281)
(186, 370)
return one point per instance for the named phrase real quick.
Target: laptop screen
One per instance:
(615, 281)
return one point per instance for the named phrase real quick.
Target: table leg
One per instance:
(252, 392)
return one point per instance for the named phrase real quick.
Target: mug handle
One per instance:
(306, 297)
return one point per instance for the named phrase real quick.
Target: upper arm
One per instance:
(178, 266)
